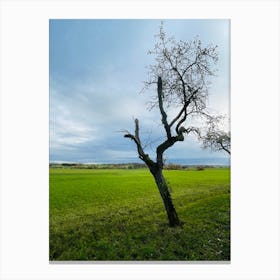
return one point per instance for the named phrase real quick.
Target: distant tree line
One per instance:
(169, 166)
(98, 166)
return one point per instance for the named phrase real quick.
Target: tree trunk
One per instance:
(156, 170)
(166, 197)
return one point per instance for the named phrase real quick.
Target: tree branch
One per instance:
(140, 150)
(163, 113)
(167, 144)
(186, 101)
(181, 121)
(179, 115)
(224, 148)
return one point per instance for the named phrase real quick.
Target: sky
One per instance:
(97, 70)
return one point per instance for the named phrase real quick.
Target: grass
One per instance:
(118, 215)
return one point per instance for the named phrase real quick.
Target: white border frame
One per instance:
(254, 124)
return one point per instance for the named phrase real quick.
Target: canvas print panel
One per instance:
(139, 140)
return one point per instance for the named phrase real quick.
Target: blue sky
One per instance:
(97, 69)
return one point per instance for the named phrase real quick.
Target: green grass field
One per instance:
(118, 215)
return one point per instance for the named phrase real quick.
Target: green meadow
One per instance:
(118, 214)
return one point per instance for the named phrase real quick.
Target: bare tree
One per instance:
(181, 74)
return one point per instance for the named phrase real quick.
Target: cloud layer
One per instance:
(95, 94)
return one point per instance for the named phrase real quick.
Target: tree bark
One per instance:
(166, 197)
